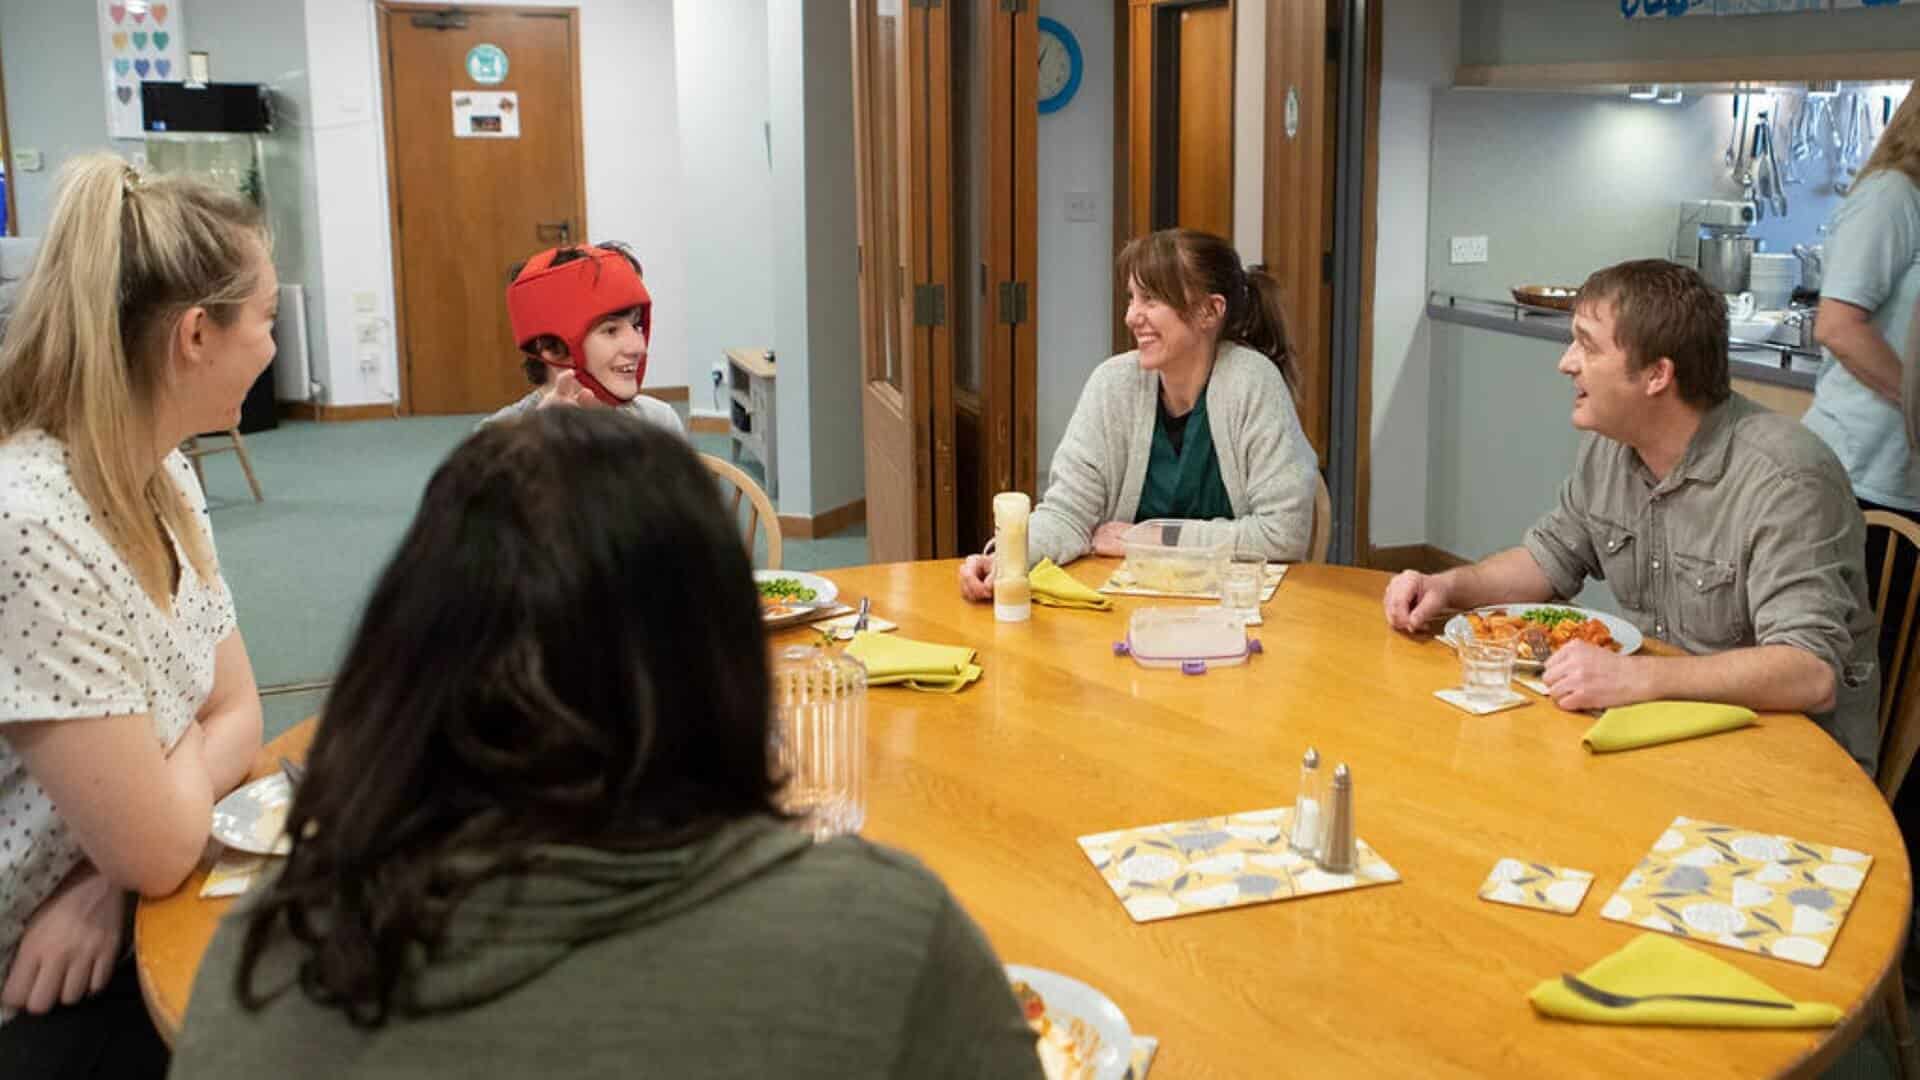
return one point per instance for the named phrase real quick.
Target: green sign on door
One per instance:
(487, 64)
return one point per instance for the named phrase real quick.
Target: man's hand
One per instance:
(1581, 675)
(70, 946)
(976, 578)
(567, 390)
(1414, 599)
(1111, 539)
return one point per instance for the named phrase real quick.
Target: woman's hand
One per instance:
(567, 390)
(70, 946)
(1110, 539)
(976, 578)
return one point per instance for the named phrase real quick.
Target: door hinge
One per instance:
(1326, 267)
(1017, 7)
(929, 305)
(440, 20)
(923, 3)
(1013, 302)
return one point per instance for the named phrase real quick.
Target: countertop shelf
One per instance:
(1761, 361)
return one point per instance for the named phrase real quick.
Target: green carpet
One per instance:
(338, 498)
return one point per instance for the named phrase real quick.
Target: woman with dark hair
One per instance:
(538, 825)
(1198, 422)
(583, 319)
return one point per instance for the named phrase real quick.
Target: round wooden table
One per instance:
(1060, 738)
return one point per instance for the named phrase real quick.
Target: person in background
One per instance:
(539, 827)
(583, 318)
(1721, 526)
(1197, 423)
(128, 705)
(1868, 290)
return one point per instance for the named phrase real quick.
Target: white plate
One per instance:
(254, 818)
(1068, 999)
(1624, 633)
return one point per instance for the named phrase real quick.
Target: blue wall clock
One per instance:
(1060, 66)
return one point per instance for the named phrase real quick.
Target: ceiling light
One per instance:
(1671, 97)
(1643, 92)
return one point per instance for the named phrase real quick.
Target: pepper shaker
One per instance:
(1305, 835)
(1338, 853)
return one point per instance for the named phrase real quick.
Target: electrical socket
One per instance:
(1467, 249)
(1081, 206)
(369, 363)
(366, 302)
(367, 331)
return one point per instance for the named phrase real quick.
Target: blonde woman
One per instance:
(1196, 423)
(127, 703)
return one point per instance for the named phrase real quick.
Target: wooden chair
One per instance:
(1899, 737)
(1322, 520)
(195, 452)
(760, 509)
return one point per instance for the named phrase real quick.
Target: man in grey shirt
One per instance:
(1722, 527)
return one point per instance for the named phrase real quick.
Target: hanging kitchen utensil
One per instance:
(1733, 137)
(1776, 190)
(1789, 174)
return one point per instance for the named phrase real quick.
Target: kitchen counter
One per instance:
(1767, 362)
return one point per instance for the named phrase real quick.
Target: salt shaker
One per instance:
(1012, 593)
(1338, 852)
(1305, 837)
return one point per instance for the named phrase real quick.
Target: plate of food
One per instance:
(789, 594)
(1535, 630)
(1081, 1033)
(254, 817)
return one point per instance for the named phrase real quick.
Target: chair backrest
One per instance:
(1899, 701)
(759, 511)
(1322, 520)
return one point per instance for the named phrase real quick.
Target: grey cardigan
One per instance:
(1265, 460)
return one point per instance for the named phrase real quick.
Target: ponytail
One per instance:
(1261, 323)
(86, 352)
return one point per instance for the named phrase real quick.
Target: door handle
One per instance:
(560, 232)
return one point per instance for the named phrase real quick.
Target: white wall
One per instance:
(1419, 50)
(815, 238)
(727, 183)
(632, 146)
(1073, 299)
(1249, 128)
(55, 100)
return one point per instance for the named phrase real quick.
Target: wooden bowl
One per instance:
(1552, 297)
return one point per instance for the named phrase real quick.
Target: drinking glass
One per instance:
(1486, 672)
(1240, 588)
(819, 738)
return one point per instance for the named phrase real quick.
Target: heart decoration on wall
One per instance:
(160, 13)
(164, 67)
(139, 39)
(142, 67)
(118, 12)
(124, 93)
(160, 39)
(120, 40)
(121, 67)
(139, 16)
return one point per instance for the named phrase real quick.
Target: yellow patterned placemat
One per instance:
(1755, 891)
(1528, 884)
(1183, 867)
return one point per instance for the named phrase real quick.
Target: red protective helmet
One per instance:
(565, 301)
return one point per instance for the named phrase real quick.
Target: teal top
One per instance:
(1183, 470)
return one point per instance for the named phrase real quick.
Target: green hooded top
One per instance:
(751, 953)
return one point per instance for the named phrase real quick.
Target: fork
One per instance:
(1620, 1001)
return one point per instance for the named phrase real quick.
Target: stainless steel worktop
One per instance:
(1784, 365)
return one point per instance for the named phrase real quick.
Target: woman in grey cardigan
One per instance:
(1198, 422)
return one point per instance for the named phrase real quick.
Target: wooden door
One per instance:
(1175, 144)
(1302, 98)
(465, 209)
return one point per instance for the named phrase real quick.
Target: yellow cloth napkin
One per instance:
(1658, 964)
(1633, 726)
(1055, 587)
(898, 661)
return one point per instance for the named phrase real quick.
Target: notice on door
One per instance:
(486, 114)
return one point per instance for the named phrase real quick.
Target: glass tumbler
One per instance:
(1240, 588)
(1486, 672)
(819, 738)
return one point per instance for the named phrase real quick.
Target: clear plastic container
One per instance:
(1191, 639)
(1174, 556)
